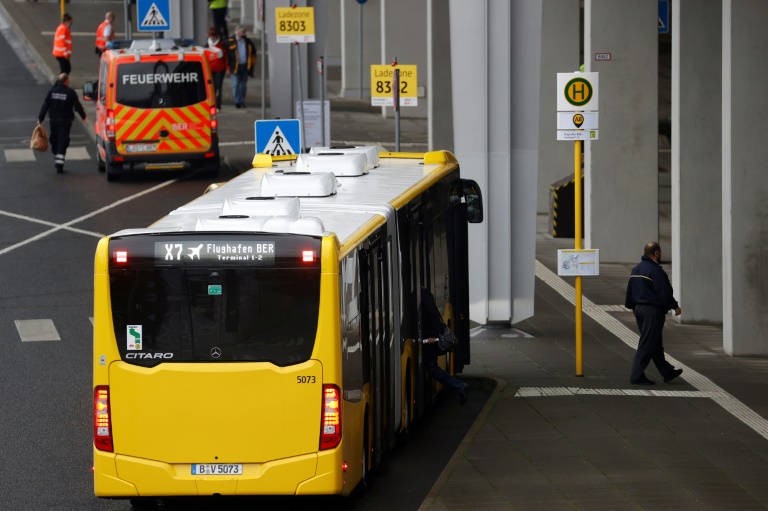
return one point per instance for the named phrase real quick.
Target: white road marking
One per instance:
(578, 391)
(37, 330)
(27, 155)
(51, 224)
(700, 382)
(19, 155)
(67, 226)
(78, 153)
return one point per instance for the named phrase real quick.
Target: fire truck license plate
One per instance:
(140, 148)
(217, 469)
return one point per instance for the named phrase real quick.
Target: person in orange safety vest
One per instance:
(105, 33)
(62, 43)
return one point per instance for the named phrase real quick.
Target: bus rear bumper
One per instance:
(117, 476)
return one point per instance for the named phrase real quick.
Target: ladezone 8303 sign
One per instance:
(295, 24)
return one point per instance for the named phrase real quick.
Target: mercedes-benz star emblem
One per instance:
(215, 352)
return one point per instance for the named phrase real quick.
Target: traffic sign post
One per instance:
(663, 16)
(382, 85)
(577, 120)
(278, 137)
(153, 15)
(295, 24)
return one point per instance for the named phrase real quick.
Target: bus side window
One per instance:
(473, 198)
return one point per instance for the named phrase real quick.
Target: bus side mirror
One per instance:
(89, 91)
(473, 199)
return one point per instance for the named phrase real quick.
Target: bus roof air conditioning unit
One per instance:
(262, 206)
(295, 184)
(342, 165)
(371, 152)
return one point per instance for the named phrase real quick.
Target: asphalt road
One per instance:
(49, 227)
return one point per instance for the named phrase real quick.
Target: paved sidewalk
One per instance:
(547, 439)
(550, 440)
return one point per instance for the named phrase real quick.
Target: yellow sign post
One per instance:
(577, 109)
(383, 82)
(295, 24)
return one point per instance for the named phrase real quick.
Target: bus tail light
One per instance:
(102, 420)
(214, 121)
(111, 125)
(330, 434)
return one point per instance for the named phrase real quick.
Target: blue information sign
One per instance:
(663, 16)
(153, 15)
(278, 137)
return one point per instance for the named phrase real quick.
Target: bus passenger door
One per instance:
(466, 203)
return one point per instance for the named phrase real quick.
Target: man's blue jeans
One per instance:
(240, 85)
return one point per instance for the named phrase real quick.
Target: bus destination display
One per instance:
(261, 252)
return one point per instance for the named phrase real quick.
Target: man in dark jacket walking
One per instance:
(650, 296)
(61, 102)
(241, 61)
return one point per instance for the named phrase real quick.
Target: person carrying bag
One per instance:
(39, 140)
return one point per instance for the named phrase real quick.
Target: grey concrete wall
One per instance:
(439, 88)
(496, 108)
(405, 38)
(188, 22)
(745, 188)
(316, 49)
(333, 43)
(350, 45)
(696, 160)
(621, 168)
(559, 54)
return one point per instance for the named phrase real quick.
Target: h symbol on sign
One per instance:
(577, 88)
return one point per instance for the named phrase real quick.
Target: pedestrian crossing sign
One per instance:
(153, 15)
(278, 137)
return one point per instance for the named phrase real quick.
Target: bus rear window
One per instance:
(160, 84)
(189, 299)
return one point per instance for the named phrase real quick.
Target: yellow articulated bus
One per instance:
(263, 339)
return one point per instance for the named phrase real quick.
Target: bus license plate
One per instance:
(217, 469)
(140, 148)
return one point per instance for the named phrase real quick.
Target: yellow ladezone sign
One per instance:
(295, 24)
(383, 85)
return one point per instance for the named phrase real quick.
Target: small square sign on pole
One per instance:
(153, 15)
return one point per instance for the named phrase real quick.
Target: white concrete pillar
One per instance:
(497, 46)
(559, 54)
(696, 159)
(621, 168)
(745, 188)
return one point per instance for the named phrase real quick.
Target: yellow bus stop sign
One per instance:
(577, 92)
(383, 83)
(295, 24)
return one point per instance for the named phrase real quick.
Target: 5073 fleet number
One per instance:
(305, 379)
